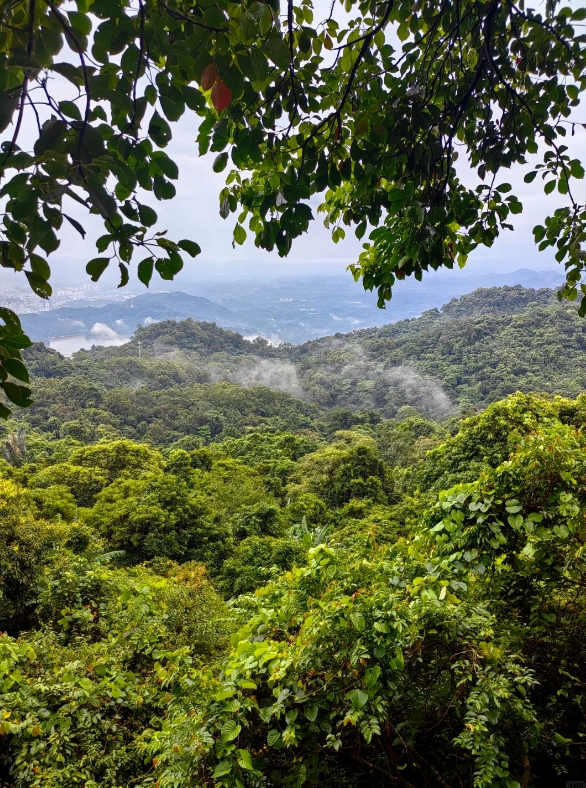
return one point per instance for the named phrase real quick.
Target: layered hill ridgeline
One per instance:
(293, 310)
(174, 380)
(478, 348)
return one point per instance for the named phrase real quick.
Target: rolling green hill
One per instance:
(165, 381)
(477, 349)
(206, 572)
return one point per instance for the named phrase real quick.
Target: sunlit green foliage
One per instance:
(80, 692)
(405, 602)
(452, 654)
(25, 544)
(351, 467)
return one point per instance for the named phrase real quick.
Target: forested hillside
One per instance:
(186, 379)
(478, 349)
(213, 583)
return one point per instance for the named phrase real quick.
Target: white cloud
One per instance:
(102, 331)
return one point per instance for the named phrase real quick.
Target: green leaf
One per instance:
(17, 369)
(311, 712)
(150, 93)
(19, 395)
(70, 109)
(38, 285)
(123, 275)
(278, 51)
(220, 162)
(70, 72)
(76, 224)
(513, 506)
(167, 165)
(403, 32)
(80, 22)
(96, 267)
(273, 736)
(358, 699)
(159, 131)
(224, 767)
(53, 132)
(39, 266)
(245, 760)
(164, 190)
(147, 215)
(190, 247)
(358, 621)
(239, 234)
(145, 270)
(103, 202)
(230, 730)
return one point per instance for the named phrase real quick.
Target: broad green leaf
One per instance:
(17, 369)
(224, 767)
(96, 267)
(311, 712)
(239, 234)
(245, 759)
(192, 248)
(230, 730)
(358, 699)
(278, 51)
(220, 162)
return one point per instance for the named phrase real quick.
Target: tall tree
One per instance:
(368, 107)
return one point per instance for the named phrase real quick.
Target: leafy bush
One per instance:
(451, 655)
(25, 545)
(154, 515)
(80, 693)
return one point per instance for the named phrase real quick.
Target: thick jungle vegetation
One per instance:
(210, 584)
(398, 603)
(365, 103)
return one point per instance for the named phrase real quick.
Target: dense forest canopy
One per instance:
(368, 106)
(216, 584)
(397, 603)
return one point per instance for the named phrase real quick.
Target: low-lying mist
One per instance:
(335, 374)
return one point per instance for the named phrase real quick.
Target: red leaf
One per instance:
(221, 96)
(209, 76)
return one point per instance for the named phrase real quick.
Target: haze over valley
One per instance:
(281, 309)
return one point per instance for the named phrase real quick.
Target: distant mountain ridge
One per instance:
(474, 351)
(281, 310)
(121, 317)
